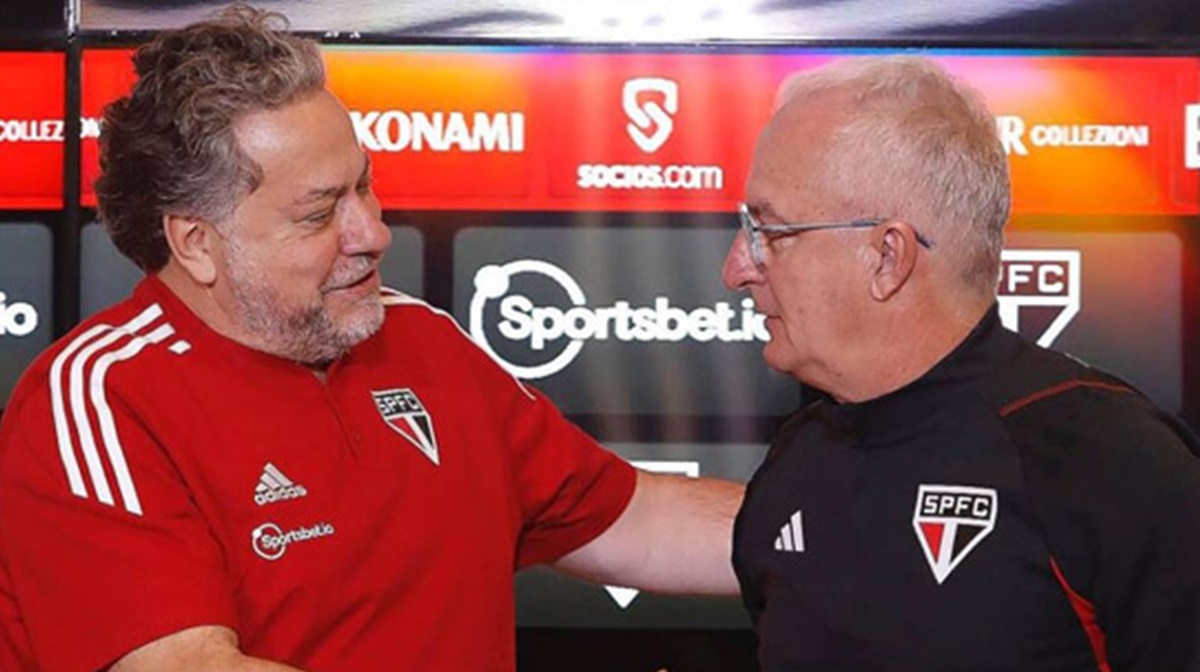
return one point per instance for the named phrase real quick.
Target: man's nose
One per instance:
(739, 270)
(365, 232)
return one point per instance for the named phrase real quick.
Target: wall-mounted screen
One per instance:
(31, 130)
(571, 208)
(664, 20)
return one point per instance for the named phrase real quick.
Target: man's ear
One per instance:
(193, 243)
(895, 244)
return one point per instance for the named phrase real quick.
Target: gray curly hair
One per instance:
(169, 146)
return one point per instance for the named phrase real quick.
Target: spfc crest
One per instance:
(1040, 292)
(950, 521)
(404, 412)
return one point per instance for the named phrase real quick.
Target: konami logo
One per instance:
(398, 131)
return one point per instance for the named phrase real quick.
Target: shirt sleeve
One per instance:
(569, 488)
(104, 548)
(1119, 498)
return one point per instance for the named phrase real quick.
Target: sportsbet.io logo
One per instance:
(17, 319)
(552, 336)
(270, 542)
(535, 318)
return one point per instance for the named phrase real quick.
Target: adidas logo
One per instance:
(791, 535)
(273, 486)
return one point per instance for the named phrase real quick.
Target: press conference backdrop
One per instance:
(570, 205)
(546, 196)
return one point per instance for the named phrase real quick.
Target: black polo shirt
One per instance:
(1012, 509)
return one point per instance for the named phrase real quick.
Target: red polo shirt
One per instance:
(155, 476)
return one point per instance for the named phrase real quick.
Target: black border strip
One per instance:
(66, 237)
(1181, 45)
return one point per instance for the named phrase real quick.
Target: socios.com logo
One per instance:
(650, 104)
(650, 122)
(18, 319)
(524, 321)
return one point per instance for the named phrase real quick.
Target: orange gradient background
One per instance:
(572, 108)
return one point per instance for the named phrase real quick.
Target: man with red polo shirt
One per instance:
(262, 460)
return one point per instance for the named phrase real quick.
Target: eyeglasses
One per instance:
(754, 230)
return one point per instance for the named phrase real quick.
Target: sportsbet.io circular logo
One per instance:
(522, 320)
(525, 321)
(270, 542)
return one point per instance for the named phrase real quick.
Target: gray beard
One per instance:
(308, 335)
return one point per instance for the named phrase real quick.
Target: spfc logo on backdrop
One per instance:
(950, 521)
(1040, 292)
(405, 413)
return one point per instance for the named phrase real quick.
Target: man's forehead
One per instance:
(788, 176)
(318, 187)
(304, 147)
(275, 130)
(782, 154)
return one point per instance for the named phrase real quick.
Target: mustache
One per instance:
(353, 271)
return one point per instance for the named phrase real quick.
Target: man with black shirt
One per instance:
(964, 500)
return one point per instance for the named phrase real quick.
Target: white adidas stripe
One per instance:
(108, 427)
(61, 430)
(791, 535)
(273, 472)
(267, 482)
(78, 353)
(87, 441)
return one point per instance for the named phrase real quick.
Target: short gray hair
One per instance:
(919, 144)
